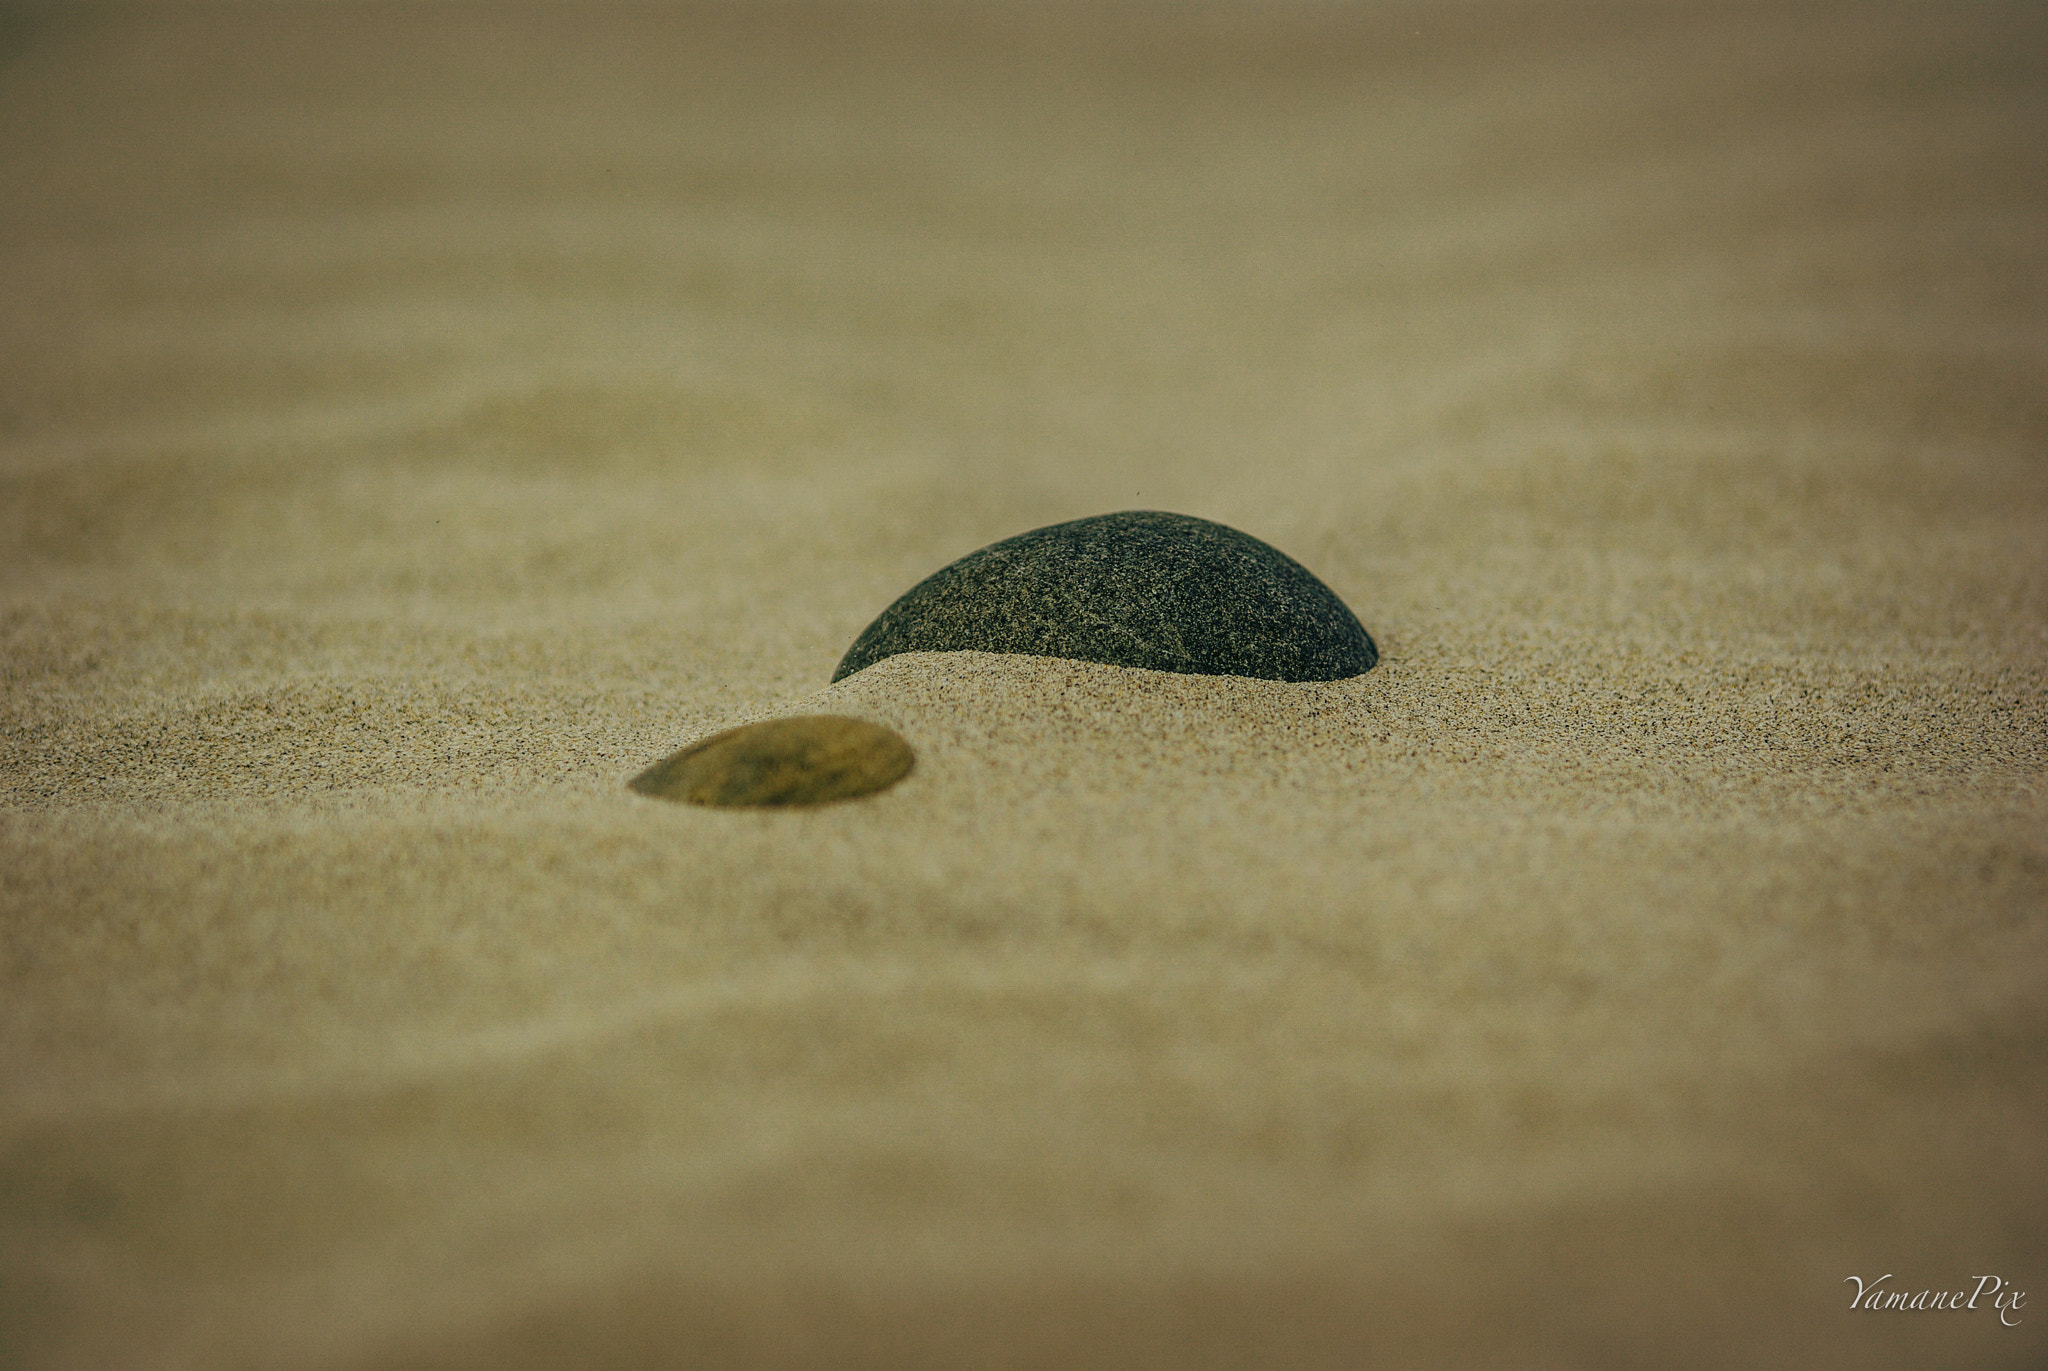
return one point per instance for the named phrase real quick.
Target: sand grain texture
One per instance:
(416, 420)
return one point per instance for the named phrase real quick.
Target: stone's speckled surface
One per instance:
(802, 761)
(1166, 592)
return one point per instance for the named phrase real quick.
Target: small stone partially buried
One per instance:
(1166, 592)
(807, 760)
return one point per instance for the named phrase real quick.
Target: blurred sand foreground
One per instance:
(414, 421)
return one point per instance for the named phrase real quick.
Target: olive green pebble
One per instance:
(802, 761)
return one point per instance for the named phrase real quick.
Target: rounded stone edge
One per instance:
(882, 626)
(669, 779)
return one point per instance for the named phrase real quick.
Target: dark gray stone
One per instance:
(1161, 591)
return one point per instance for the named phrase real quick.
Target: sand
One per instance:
(416, 421)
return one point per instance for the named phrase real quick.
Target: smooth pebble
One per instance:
(807, 760)
(1166, 592)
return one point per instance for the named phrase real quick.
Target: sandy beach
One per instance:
(415, 420)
